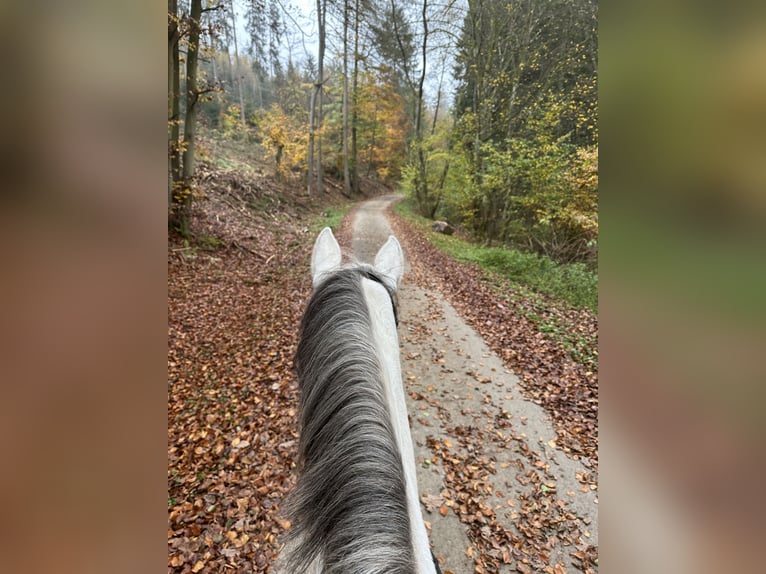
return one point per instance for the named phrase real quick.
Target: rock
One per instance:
(443, 227)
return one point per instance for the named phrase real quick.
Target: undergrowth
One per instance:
(331, 217)
(572, 283)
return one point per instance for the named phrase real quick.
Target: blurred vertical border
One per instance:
(83, 291)
(682, 285)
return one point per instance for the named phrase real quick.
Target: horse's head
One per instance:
(355, 506)
(326, 259)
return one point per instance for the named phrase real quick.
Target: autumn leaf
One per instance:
(431, 501)
(232, 429)
(284, 524)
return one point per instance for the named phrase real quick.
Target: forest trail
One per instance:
(483, 452)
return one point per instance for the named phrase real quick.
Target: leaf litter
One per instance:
(538, 527)
(235, 297)
(233, 314)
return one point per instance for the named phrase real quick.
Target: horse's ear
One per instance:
(326, 256)
(390, 262)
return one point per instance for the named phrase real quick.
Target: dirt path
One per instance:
(466, 407)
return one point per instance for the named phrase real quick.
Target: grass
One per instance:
(331, 217)
(208, 242)
(573, 284)
(234, 154)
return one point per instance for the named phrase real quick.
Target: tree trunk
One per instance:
(371, 155)
(438, 102)
(238, 76)
(422, 79)
(354, 103)
(421, 186)
(174, 96)
(321, 17)
(170, 123)
(346, 173)
(190, 123)
(511, 102)
(280, 150)
(312, 128)
(228, 57)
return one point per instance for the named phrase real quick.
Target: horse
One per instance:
(355, 507)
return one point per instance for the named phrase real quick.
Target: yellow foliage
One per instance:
(583, 181)
(383, 126)
(231, 121)
(286, 137)
(580, 211)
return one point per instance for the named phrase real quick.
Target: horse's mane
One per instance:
(349, 508)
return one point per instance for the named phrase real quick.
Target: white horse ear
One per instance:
(326, 256)
(390, 262)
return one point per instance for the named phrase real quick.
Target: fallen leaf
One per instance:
(431, 501)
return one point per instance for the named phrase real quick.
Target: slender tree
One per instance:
(346, 172)
(256, 27)
(355, 104)
(237, 73)
(312, 135)
(192, 89)
(319, 86)
(421, 181)
(174, 98)
(193, 92)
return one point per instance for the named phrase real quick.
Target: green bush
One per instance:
(573, 283)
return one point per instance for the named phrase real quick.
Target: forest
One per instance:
(483, 112)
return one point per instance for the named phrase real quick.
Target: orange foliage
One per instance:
(382, 127)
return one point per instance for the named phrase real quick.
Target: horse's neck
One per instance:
(387, 346)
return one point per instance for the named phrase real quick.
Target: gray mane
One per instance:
(349, 507)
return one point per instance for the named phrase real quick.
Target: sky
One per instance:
(300, 14)
(302, 27)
